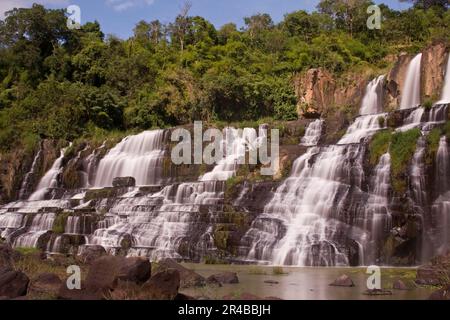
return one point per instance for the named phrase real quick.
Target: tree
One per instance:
(180, 27)
(427, 4)
(258, 23)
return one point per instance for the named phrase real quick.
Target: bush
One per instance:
(402, 150)
(379, 145)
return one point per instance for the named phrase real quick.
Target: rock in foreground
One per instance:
(343, 281)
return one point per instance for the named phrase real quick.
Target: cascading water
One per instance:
(42, 223)
(377, 216)
(312, 134)
(372, 101)
(235, 145)
(23, 193)
(440, 236)
(49, 180)
(304, 224)
(417, 174)
(177, 221)
(411, 88)
(140, 156)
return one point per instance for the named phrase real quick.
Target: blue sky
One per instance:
(118, 17)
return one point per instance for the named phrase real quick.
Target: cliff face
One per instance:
(16, 164)
(318, 91)
(434, 63)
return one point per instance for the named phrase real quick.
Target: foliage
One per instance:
(66, 84)
(402, 149)
(379, 145)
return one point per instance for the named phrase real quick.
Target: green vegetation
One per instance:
(278, 271)
(27, 251)
(68, 84)
(433, 139)
(59, 225)
(402, 149)
(379, 146)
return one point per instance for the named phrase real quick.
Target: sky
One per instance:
(119, 17)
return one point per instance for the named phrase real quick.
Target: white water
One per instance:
(9, 222)
(417, 174)
(443, 166)
(411, 88)
(139, 156)
(235, 145)
(446, 90)
(373, 98)
(42, 223)
(26, 181)
(377, 213)
(49, 180)
(363, 127)
(312, 134)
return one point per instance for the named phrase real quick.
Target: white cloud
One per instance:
(6, 5)
(122, 5)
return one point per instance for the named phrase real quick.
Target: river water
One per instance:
(305, 283)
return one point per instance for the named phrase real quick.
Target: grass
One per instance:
(59, 225)
(379, 146)
(433, 139)
(255, 270)
(402, 149)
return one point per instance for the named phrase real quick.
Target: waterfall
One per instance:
(176, 222)
(23, 193)
(417, 174)
(9, 222)
(41, 224)
(411, 88)
(443, 167)
(301, 225)
(446, 90)
(312, 134)
(235, 145)
(140, 156)
(372, 101)
(49, 180)
(363, 127)
(377, 217)
(370, 119)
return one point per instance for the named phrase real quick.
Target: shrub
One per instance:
(379, 146)
(402, 150)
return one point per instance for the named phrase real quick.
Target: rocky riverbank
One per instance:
(31, 275)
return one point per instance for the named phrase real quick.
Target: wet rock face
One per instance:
(124, 182)
(395, 80)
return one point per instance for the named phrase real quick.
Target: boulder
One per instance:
(13, 284)
(65, 293)
(442, 294)
(46, 283)
(7, 256)
(188, 278)
(162, 286)
(106, 271)
(431, 275)
(224, 278)
(343, 281)
(91, 253)
(124, 182)
(271, 282)
(103, 274)
(136, 270)
(399, 285)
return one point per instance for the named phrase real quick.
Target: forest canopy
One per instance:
(63, 84)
